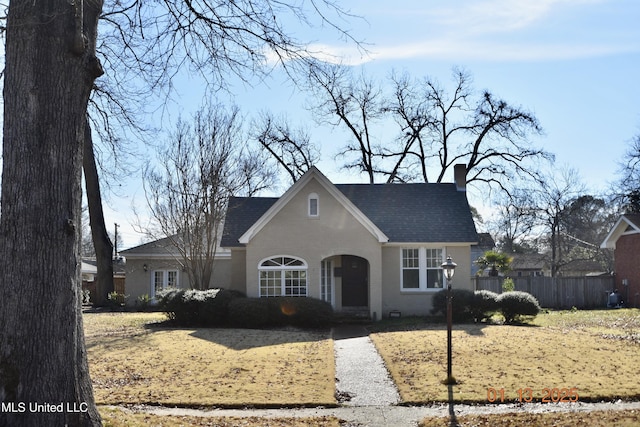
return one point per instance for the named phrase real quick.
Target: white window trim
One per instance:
(165, 280)
(422, 268)
(283, 268)
(313, 196)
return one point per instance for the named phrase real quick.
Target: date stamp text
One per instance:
(528, 395)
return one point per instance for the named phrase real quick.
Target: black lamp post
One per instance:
(449, 268)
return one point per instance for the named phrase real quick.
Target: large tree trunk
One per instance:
(49, 72)
(101, 242)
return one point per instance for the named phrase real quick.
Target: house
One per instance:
(89, 272)
(485, 243)
(624, 239)
(529, 265)
(157, 266)
(371, 247)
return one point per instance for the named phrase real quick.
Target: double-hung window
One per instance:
(163, 279)
(283, 276)
(421, 269)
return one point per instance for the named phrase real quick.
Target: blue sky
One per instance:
(573, 63)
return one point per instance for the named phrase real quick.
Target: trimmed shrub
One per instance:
(516, 305)
(302, 312)
(215, 306)
(484, 305)
(197, 308)
(462, 299)
(250, 313)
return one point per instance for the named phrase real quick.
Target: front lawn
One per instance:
(131, 363)
(593, 352)
(118, 418)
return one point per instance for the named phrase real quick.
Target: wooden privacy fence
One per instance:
(557, 292)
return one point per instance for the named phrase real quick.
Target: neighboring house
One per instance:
(582, 267)
(485, 243)
(372, 247)
(89, 271)
(624, 239)
(529, 265)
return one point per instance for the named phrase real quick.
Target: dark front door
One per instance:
(355, 281)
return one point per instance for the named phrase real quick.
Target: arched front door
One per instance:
(355, 281)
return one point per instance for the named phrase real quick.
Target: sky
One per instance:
(573, 63)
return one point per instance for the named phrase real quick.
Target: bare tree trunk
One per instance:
(49, 73)
(101, 242)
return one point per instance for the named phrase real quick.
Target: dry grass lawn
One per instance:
(117, 418)
(597, 352)
(627, 418)
(133, 364)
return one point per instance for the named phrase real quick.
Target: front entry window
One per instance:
(283, 276)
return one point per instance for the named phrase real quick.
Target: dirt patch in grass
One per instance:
(207, 367)
(116, 418)
(512, 358)
(629, 418)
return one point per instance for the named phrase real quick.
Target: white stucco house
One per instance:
(373, 247)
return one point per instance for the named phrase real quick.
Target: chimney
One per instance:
(460, 176)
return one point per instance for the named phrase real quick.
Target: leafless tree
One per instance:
(627, 190)
(439, 129)
(552, 201)
(436, 129)
(205, 163)
(353, 103)
(290, 148)
(515, 221)
(51, 65)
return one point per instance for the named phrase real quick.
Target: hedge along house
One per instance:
(362, 247)
(624, 239)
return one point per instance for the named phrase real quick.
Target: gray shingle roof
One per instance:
(404, 212)
(157, 247)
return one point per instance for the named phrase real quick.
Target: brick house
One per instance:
(624, 239)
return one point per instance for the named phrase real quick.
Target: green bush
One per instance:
(250, 313)
(197, 308)
(484, 305)
(142, 302)
(508, 285)
(116, 301)
(462, 300)
(516, 305)
(300, 312)
(215, 306)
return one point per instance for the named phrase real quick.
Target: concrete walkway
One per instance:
(362, 378)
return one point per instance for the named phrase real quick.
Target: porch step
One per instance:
(352, 315)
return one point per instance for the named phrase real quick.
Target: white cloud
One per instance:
(493, 30)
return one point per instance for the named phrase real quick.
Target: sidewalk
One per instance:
(389, 416)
